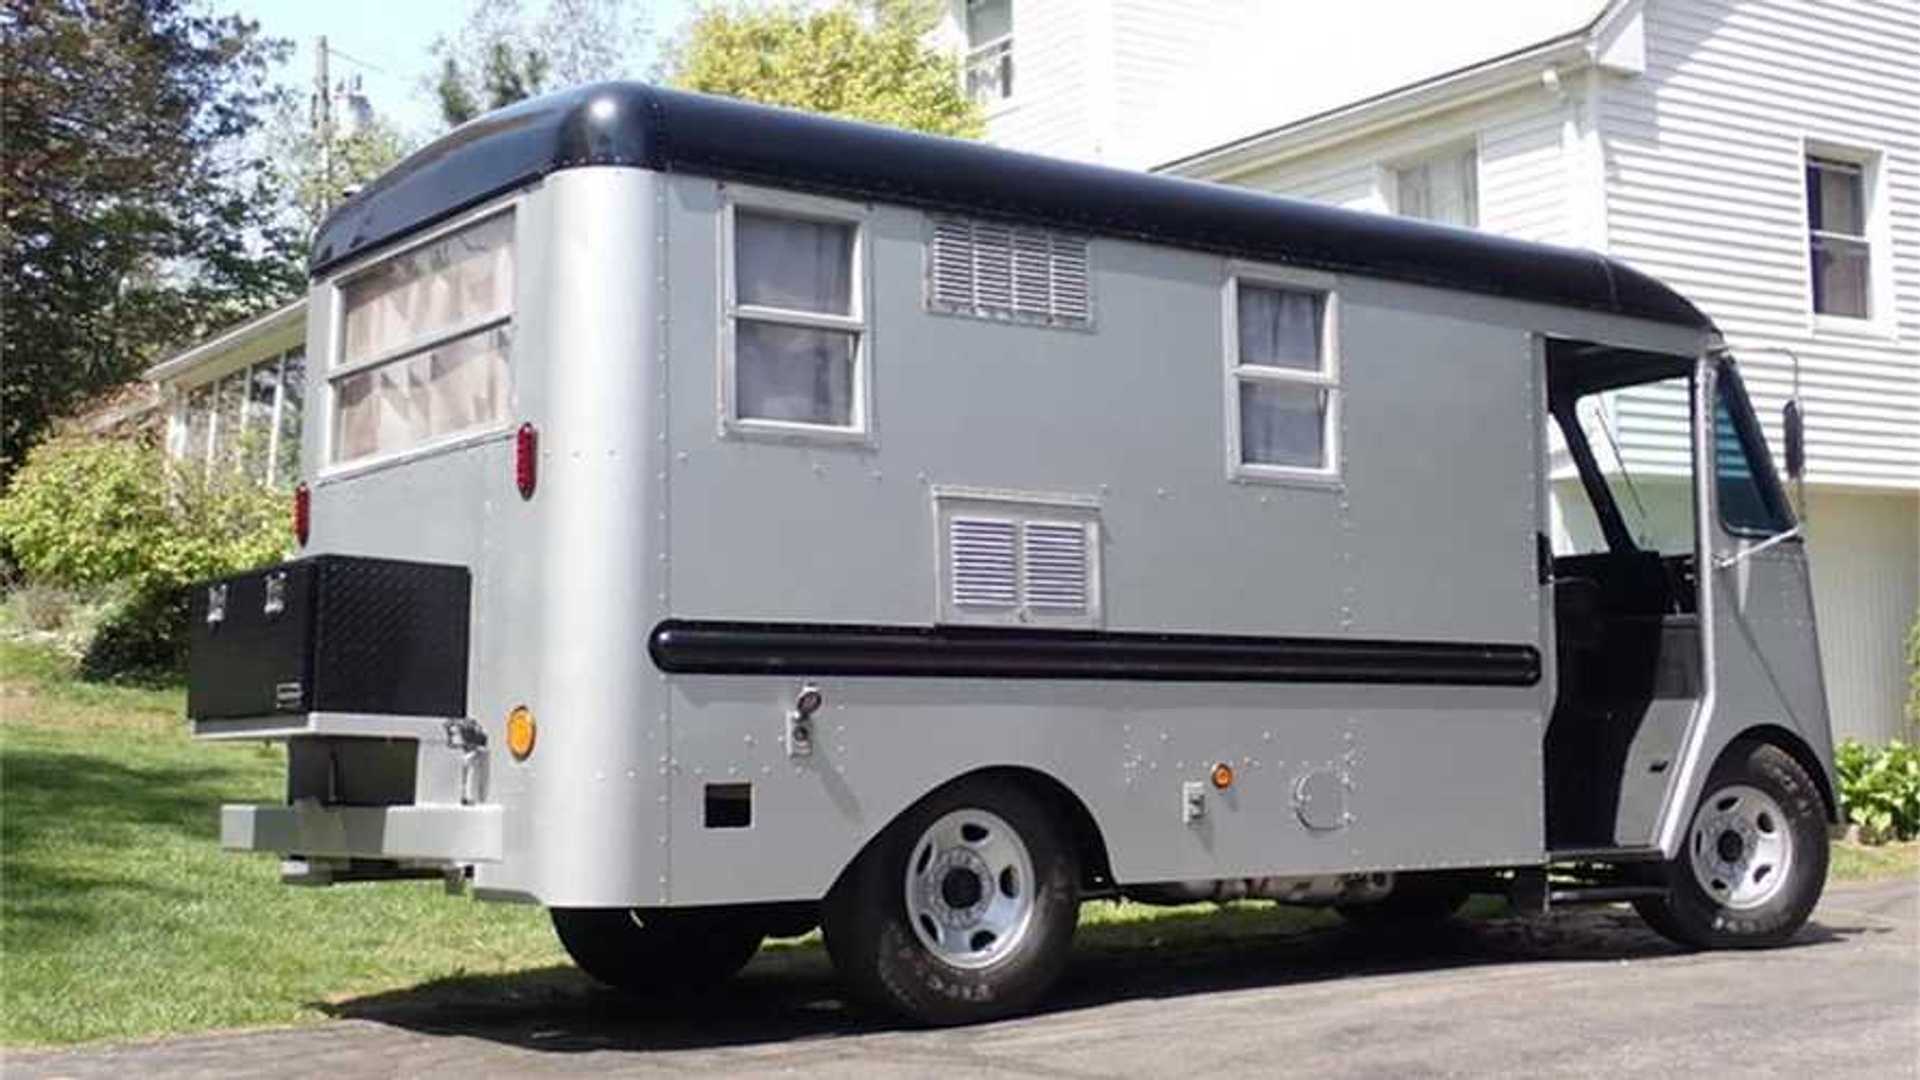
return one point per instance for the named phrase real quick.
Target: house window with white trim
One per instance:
(794, 359)
(424, 340)
(1840, 253)
(1443, 187)
(989, 51)
(1283, 380)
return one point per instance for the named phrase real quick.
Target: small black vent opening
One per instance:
(729, 806)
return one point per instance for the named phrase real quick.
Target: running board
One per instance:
(1604, 894)
(1606, 854)
(1530, 893)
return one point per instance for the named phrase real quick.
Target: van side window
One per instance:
(1283, 381)
(1751, 501)
(795, 334)
(424, 339)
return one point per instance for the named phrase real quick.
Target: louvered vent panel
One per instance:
(1072, 301)
(1056, 564)
(984, 573)
(953, 263)
(1032, 274)
(992, 270)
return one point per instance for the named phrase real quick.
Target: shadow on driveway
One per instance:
(789, 992)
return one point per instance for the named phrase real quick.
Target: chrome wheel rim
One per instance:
(1740, 847)
(970, 888)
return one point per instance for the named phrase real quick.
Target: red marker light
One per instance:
(526, 454)
(302, 513)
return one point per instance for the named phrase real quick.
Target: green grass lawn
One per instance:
(121, 917)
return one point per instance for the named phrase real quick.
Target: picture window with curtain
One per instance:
(1284, 385)
(1839, 251)
(424, 340)
(795, 342)
(1444, 187)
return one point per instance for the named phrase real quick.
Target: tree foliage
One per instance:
(863, 59)
(131, 214)
(312, 172)
(503, 54)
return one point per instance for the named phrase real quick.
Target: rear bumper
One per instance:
(444, 834)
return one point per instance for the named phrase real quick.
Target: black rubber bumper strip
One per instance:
(801, 649)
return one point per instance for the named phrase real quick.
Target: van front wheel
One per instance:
(651, 952)
(1754, 857)
(962, 910)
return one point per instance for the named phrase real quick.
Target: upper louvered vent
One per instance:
(997, 271)
(1007, 560)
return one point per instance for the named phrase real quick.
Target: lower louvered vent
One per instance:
(1008, 561)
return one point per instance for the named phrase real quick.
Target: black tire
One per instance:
(883, 961)
(654, 952)
(1416, 900)
(1689, 915)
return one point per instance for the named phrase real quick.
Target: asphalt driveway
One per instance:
(1585, 994)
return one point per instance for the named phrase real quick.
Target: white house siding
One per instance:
(1524, 163)
(1705, 189)
(1865, 548)
(1051, 110)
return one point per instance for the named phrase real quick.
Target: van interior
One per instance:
(1622, 563)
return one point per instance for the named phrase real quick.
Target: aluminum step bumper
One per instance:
(433, 833)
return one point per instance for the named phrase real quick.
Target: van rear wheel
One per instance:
(651, 952)
(1754, 858)
(963, 910)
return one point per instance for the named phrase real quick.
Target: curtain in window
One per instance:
(793, 373)
(1280, 328)
(443, 391)
(1283, 424)
(459, 279)
(793, 264)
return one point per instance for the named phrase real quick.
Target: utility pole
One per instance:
(323, 122)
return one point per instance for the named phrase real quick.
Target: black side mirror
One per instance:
(1793, 424)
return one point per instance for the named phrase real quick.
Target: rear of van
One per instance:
(453, 657)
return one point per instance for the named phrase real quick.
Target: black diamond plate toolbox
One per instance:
(330, 633)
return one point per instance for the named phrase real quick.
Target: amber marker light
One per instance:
(1222, 776)
(520, 732)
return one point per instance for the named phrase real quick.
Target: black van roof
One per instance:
(636, 124)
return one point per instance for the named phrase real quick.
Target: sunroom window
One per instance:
(425, 337)
(796, 332)
(1283, 381)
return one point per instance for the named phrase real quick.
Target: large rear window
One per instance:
(425, 336)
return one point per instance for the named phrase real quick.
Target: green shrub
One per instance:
(1880, 788)
(1913, 674)
(119, 519)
